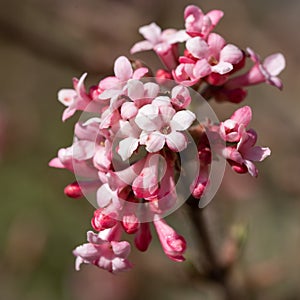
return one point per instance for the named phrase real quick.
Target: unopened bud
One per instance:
(73, 190)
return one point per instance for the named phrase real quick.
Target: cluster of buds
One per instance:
(127, 154)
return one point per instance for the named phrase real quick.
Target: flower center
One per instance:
(165, 129)
(213, 61)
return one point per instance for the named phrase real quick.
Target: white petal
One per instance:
(151, 32)
(176, 141)
(274, 63)
(127, 147)
(147, 118)
(123, 69)
(222, 67)
(141, 46)
(66, 96)
(197, 47)
(155, 142)
(135, 89)
(182, 120)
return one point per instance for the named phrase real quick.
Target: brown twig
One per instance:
(216, 271)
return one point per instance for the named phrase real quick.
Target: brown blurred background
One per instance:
(43, 44)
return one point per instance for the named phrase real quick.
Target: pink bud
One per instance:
(130, 223)
(163, 76)
(173, 244)
(143, 237)
(73, 190)
(102, 221)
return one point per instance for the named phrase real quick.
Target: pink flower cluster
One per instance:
(128, 153)
(208, 58)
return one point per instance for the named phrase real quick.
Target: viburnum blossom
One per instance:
(127, 155)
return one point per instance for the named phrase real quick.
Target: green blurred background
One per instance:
(43, 44)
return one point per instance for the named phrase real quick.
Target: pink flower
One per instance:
(162, 42)
(173, 244)
(162, 124)
(265, 71)
(113, 86)
(232, 129)
(219, 56)
(245, 153)
(199, 24)
(77, 99)
(189, 73)
(105, 254)
(180, 97)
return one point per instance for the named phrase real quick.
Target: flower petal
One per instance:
(127, 147)
(141, 46)
(182, 120)
(155, 142)
(274, 64)
(123, 68)
(222, 67)
(176, 141)
(197, 47)
(216, 44)
(242, 116)
(151, 32)
(147, 118)
(66, 96)
(231, 54)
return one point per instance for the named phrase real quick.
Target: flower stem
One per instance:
(216, 271)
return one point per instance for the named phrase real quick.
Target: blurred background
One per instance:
(43, 44)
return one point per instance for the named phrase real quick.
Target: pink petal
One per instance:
(123, 68)
(231, 54)
(141, 46)
(139, 73)
(201, 69)
(242, 116)
(119, 265)
(251, 168)
(151, 89)
(145, 184)
(68, 112)
(215, 16)
(121, 249)
(176, 141)
(197, 47)
(151, 33)
(155, 142)
(166, 113)
(216, 44)
(182, 120)
(66, 96)
(56, 163)
(275, 81)
(128, 110)
(83, 150)
(87, 251)
(222, 67)
(274, 64)
(105, 195)
(257, 153)
(178, 37)
(110, 82)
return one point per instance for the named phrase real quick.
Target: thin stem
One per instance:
(216, 272)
